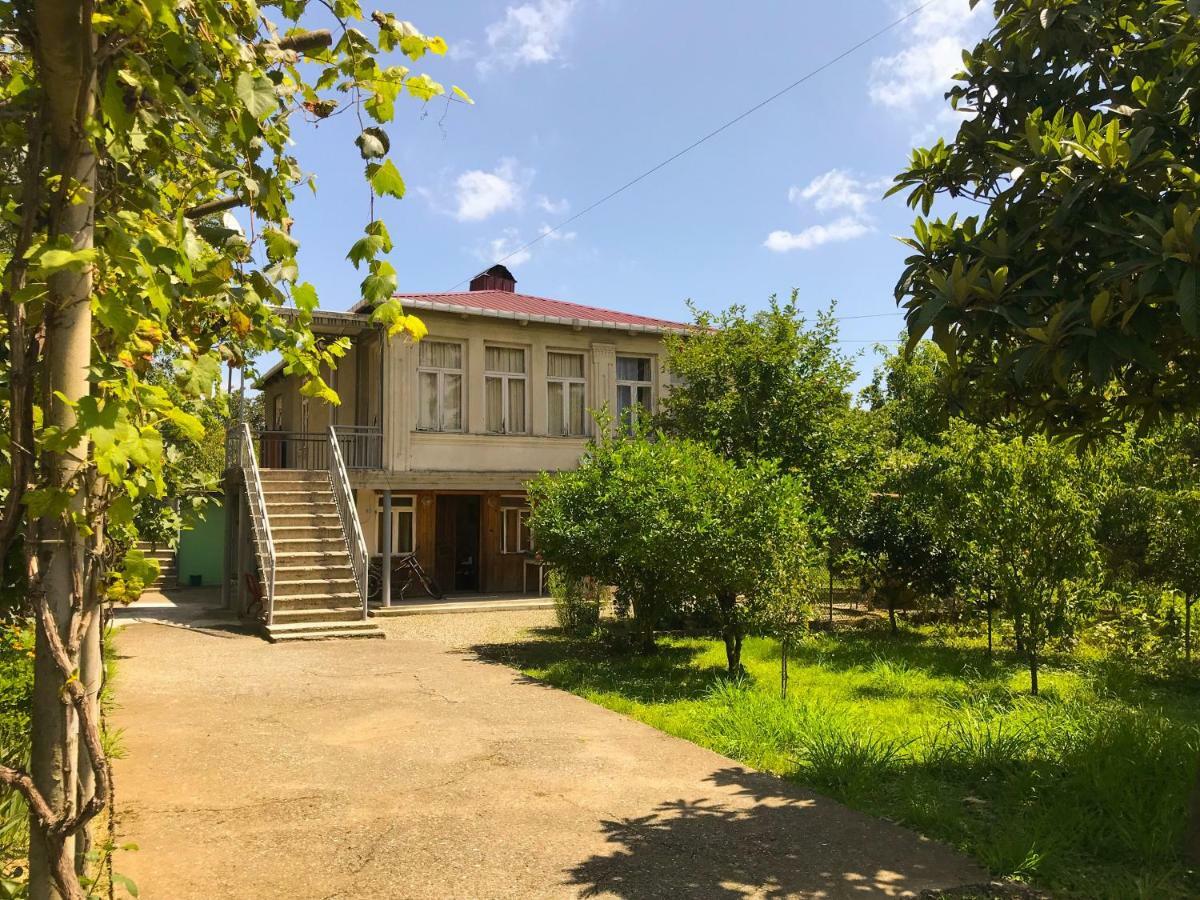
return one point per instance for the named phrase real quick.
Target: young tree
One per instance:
(906, 394)
(129, 131)
(675, 526)
(898, 547)
(1073, 296)
(1174, 552)
(1027, 527)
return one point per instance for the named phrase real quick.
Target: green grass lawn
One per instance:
(1082, 790)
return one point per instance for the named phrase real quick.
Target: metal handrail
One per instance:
(258, 509)
(344, 498)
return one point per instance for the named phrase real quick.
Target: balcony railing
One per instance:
(361, 447)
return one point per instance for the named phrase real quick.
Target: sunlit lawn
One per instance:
(1082, 790)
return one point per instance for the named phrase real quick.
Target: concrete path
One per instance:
(407, 768)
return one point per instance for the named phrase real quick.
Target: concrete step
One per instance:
(305, 475)
(340, 572)
(323, 631)
(303, 587)
(305, 519)
(317, 551)
(316, 601)
(310, 507)
(318, 615)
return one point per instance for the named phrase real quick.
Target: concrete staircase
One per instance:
(168, 575)
(316, 596)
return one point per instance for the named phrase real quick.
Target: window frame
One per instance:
(505, 379)
(441, 372)
(520, 507)
(566, 382)
(633, 385)
(396, 510)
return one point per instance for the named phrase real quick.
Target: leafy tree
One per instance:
(127, 134)
(906, 393)
(674, 527)
(1073, 296)
(1025, 527)
(1174, 552)
(900, 550)
(770, 386)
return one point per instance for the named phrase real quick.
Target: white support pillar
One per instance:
(385, 576)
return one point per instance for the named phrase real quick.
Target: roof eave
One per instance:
(571, 321)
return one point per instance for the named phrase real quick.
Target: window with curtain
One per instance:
(635, 388)
(504, 389)
(565, 392)
(404, 523)
(439, 386)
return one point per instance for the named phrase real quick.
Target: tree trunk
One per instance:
(1019, 631)
(731, 632)
(1033, 671)
(783, 669)
(1187, 629)
(64, 56)
(989, 614)
(892, 612)
(831, 596)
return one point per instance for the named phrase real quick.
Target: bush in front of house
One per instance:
(576, 603)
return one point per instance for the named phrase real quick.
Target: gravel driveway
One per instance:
(410, 768)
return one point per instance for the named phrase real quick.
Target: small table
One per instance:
(541, 565)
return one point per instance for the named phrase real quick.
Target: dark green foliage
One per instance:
(576, 603)
(1072, 297)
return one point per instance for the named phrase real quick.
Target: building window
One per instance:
(514, 525)
(440, 386)
(404, 524)
(504, 389)
(565, 390)
(635, 388)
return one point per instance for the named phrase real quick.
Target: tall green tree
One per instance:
(1071, 297)
(773, 386)
(130, 130)
(906, 394)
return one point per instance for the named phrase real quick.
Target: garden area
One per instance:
(1081, 791)
(978, 630)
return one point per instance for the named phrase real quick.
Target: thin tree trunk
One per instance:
(731, 632)
(64, 49)
(1033, 672)
(783, 669)
(1187, 630)
(831, 596)
(989, 617)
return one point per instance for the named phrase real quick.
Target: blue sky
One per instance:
(575, 97)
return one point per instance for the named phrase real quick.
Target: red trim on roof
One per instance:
(525, 304)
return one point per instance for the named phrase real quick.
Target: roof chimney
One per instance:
(497, 278)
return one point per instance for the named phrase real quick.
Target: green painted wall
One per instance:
(202, 548)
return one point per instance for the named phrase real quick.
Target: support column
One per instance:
(385, 575)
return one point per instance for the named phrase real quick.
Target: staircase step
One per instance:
(304, 507)
(303, 587)
(314, 551)
(336, 573)
(318, 615)
(330, 635)
(316, 601)
(294, 474)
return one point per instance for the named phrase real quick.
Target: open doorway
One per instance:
(456, 542)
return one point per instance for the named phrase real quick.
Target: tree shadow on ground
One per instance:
(667, 675)
(861, 649)
(762, 836)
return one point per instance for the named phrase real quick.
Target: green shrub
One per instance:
(576, 603)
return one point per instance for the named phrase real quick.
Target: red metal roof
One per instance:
(520, 305)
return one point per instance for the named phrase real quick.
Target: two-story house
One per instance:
(438, 438)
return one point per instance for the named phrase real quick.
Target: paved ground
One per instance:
(409, 768)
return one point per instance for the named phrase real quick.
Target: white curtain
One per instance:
(494, 400)
(564, 365)
(516, 406)
(440, 355)
(451, 402)
(428, 405)
(505, 359)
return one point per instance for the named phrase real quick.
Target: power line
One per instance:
(712, 134)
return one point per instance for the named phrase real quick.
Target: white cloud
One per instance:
(922, 69)
(838, 189)
(834, 191)
(548, 234)
(553, 207)
(479, 194)
(843, 229)
(498, 249)
(529, 34)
